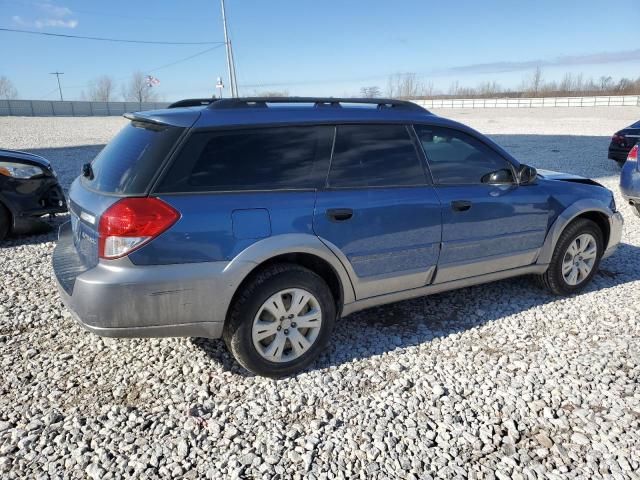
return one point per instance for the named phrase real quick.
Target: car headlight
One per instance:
(20, 170)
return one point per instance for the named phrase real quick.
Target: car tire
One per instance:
(5, 222)
(270, 291)
(558, 277)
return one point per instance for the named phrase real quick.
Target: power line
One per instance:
(88, 84)
(106, 39)
(186, 58)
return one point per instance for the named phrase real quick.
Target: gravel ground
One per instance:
(496, 381)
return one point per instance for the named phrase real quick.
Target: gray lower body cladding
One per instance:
(119, 299)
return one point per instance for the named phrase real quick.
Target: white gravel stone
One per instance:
(496, 381)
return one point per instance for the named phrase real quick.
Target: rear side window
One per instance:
(456, 158)
(129, 162)
(375, 156)
(252, 159)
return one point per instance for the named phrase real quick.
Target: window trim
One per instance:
(411, 134)
(475, 137)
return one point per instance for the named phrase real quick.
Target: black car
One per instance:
(623, 141)
(28, 189)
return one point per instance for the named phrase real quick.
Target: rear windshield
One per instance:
(129, 162)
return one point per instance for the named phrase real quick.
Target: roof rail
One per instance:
(318, 102)
(192, 102)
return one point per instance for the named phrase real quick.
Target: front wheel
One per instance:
(280, 321)
(575, 259)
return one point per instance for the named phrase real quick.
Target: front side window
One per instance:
(456, 158)
(252, 159)
(374, 156)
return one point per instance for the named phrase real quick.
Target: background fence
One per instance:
(599, 101)
(47, 108)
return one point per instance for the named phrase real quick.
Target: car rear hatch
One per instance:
(126, 167)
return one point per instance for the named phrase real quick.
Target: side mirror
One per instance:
(499, 177)
(527, 175)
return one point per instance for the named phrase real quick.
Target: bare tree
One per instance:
(7, 90)
(453, 88)
(404, 85)
(533, 85)
(102, 90)
(428, 90)
(271, 93)
(138, 89)
(489, 89)
(536, 80)
(370, 92)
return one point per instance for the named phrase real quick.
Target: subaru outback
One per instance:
(264, 220)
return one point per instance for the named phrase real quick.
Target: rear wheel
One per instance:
(281, 321)
(575, 259)
(5, 221)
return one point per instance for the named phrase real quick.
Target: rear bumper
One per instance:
(119, 299)
(619, 154)
(615, 233)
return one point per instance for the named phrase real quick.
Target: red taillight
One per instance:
(633, 154)
(131, 222)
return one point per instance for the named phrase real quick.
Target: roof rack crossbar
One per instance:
(317, 102)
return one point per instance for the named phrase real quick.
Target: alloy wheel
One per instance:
(579, 259)
(286, 325)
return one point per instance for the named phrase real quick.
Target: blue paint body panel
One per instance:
(630, 181)
(205, 231)
(251, 223)
(502, 221)
(393, 231)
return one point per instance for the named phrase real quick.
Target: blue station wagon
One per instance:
(264, 220)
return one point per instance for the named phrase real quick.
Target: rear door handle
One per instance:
(461, 205)
(339, 214)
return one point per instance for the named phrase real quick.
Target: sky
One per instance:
(321, 47)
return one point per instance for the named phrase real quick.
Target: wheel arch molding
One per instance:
(302, 249)
(592, 209)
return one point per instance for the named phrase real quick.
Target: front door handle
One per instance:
(461, 205)
(339, 214)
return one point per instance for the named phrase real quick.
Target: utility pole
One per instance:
(230, 63)
(57, 74)
(233, 70)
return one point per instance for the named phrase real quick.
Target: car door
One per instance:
(489, 222)
(378, 212)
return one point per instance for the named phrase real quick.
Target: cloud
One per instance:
(17, 20)
(52, 15)
(55, 22)
(567, 60)
(55, 11)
